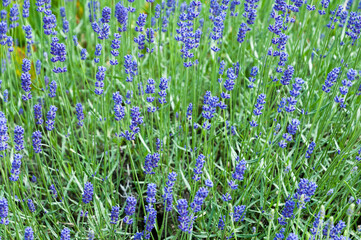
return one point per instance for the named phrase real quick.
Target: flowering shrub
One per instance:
(180, 119)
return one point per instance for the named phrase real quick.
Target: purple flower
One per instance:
(29, 234)
(4, 211)
(306, 188)
(79, 114)
(121, 14)
(198, 167)
(99, 84)
(51, 117)
(87, 196)
(31, 205)
(239, 213)
(131, 67)
(53, 191)
(151, 162)
(114, 215)
(52, 89)
(14, 16)
(37, 141)
(240, 169)
(168, 191)
(65, 234)
(141, 22)
(15, 167)
(151, 191)
(130, 209)
(184, 218)
(19, 138)
(26, 79)
(199, 198)
(310, 149)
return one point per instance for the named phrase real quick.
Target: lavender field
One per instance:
(180, 119)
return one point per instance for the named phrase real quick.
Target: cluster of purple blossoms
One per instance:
(49, 21)
(98, 52)
(333, 231)
(4, 137)
(83, 54)
(354, 26)
(53, 191)
(151, 162)
(130, 209)
(114, 215)
(26, 7)
(163, 86)
(229, 82)
(65, 234)
(331, 79)
(185, 33)
(346, 84)
(93, 7)
(4, 211)
(26, 79)
(150, 89)
(238, 174)
(338, 15)
(287, 212)
(149, 221)
(119, 110)
(52, 89)
(168, 191)
(141, 22)
(310, 149)
(51, 118)
(239, 213)
(185, 219)
(131, 67)
(99, 84)
(151, 192)
(121, 14)
(198, 167)
(189, 111)
(287, 75)
(29, 234)
(136, 120)
(14, 16)
(252, 78)
(209, 108)
(3, 31)
(38, 114)
(15, 167)
(65, 21)
(295, 92)
(250, 8)
(199, 198)
(115, 46)
(19, 138)
(140, 40)
(58, 50)
(150, 39)
(305, 188)
(292, 129)
(217, 16)
(87, 196)
(79, 114)
(31, 206)
(258, 107)
(37, 141)
(102, 29)
(29, 37)
(106, 15)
